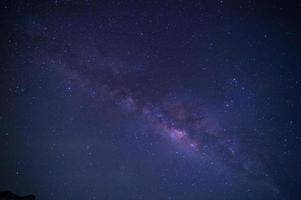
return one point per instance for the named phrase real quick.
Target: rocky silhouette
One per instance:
(6, 195)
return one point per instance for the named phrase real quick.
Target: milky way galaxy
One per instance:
(137, 100)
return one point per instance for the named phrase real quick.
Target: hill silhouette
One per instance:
(7, 195)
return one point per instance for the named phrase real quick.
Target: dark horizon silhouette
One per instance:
(7, 195)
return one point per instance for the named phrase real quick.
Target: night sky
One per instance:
(151, 100)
